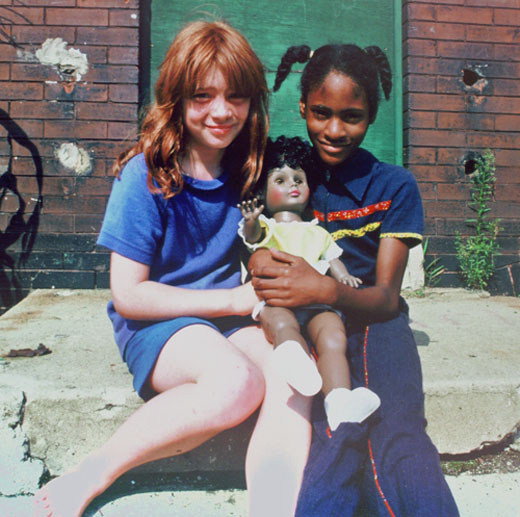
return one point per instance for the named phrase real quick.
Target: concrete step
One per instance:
(477, 496)
(56, 408)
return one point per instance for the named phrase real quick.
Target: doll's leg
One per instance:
(328, 334)
(291, 352)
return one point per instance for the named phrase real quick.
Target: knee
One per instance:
(251, 387)
(279, 321)
(242, 389)
(333, 342)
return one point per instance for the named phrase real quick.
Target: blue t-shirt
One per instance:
(363, 200)
(189, 240)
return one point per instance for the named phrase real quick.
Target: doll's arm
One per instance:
(339, 271)
(250, 212)
(283, 280)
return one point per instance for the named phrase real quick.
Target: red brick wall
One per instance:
(444, 118)
(50, 213)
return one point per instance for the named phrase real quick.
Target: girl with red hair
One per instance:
(179, 311)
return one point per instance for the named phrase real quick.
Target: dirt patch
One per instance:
(503, 462)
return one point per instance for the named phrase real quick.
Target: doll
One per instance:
(285, 190)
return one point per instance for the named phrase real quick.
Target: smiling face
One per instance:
(214, 115)
(287, 190)
(337, 117)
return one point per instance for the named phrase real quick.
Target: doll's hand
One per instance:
(250, 209)
(352, 281)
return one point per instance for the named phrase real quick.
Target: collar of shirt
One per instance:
(355, 174)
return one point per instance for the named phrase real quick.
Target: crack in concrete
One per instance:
(21, 464)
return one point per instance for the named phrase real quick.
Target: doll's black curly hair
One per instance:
(291, 151)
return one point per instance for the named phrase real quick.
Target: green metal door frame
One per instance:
(398, 82)
(385, 138)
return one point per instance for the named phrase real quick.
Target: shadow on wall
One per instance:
(20, 227)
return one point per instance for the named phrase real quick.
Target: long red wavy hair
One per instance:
(196, 50)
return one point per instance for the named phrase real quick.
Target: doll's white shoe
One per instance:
(344, 405)
(297, 368)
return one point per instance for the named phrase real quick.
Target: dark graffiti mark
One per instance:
(21, 227)
(7, 16)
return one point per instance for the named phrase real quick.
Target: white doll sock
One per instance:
(344, 405)
(297, 368)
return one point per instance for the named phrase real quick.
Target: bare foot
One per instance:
(68, 495)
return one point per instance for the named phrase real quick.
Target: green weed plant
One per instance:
(433, 269)
(476, 253)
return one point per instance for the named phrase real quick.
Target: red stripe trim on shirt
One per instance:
(371, 453)
(345, 215)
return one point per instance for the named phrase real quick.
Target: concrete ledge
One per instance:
(470, 351)
(70, 401)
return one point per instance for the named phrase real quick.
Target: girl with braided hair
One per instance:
(386, 465)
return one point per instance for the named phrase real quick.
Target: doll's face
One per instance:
(287, 190)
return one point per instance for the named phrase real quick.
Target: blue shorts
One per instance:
(305, 314)
(145, 346)
(302, 314)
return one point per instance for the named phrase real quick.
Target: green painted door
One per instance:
(272, 26)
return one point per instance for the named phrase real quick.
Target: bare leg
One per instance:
(291, 351)
(280, 325)
(280, 443)
(327, 333)
(199, 399)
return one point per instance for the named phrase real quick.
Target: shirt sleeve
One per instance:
(404, 219)
(132, 225)
(266, 241)
(332, 251)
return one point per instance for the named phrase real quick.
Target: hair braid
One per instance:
(296, 54)
(383, 67)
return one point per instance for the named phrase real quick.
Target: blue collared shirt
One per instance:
(189, 240)
(364, 200)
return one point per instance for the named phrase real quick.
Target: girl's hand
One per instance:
(284, 280)
(243, 299)
(352, 281)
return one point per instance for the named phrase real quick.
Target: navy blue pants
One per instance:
(386, 466)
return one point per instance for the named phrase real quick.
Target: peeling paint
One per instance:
(25, 55)
(71, 64)
(73, 157)
(476, 100)
(474, 79)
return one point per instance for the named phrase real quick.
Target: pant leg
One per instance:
(332, 477)
(402, 474)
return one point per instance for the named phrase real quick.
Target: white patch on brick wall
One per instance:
(75, 158)
(414, 273)
(70, 63)
(25, 55)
